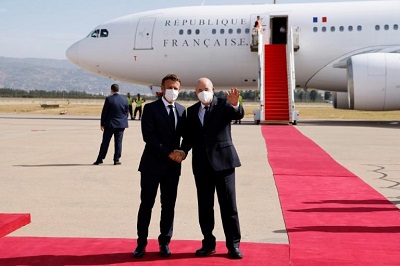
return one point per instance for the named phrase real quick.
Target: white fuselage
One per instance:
(214, 41)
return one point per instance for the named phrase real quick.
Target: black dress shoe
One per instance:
(203, 252)
(117, 162)
(235, 253)
(164, 251)
(97, 162)
(139, 252)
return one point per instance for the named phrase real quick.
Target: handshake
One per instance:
(177, 156)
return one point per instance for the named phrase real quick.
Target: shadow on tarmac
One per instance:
(50, 165)
(351, 123)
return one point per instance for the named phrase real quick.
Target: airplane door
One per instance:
(279, 30)
(144, 34)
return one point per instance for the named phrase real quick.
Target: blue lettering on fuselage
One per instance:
(205, 22)
(221, 38)
(205, 42)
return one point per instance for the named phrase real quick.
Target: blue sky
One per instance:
(46, 28)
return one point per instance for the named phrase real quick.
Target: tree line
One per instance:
(17, 93)
(247, 95)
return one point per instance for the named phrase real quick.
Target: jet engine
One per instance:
(340, 100)
(373, 82)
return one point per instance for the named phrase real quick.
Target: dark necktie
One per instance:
(206, 115)
(171, 116)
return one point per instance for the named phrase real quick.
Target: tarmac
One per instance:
(46, 170)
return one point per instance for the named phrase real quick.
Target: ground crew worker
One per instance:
(130, 100)
(139, 105)
(240, 103)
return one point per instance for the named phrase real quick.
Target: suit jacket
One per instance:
(160, 138)
(115, 112)
(213, 141)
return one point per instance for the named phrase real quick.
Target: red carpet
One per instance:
(332, 216)
(40, 251)
(10, 222)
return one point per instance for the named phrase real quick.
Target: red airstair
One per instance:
(276, 96)
(276, 81)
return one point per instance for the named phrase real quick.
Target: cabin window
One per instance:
(238, 31)
(222, 31)
(377, 27)
(230, 31)
(323, 29)
(189, 32)
(180, 32)
(333, 29)
(247, 31)
(395, 27)
(341, 28)
(214, 31)
(315, 29)
(197, 32)
(359, 28)
(350, 28)
(386, 27)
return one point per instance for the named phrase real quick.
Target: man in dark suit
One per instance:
(162, 125)
(114, 120)
(208, 134)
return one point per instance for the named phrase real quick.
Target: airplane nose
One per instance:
(72, 53)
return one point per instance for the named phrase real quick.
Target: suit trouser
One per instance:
(168, 191)
(224, 183)
(118, 134)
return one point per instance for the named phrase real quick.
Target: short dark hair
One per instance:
(172, 77)
(115, 88)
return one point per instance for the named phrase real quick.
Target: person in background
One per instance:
(214, 158)
(162, 125)
(257, 29)
(241, 103)
(258, 24)
(139, 105)
(114, 120)
(130, 100)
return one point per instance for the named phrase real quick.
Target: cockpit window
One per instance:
(99, 33)
(104, 33)
(95, 34)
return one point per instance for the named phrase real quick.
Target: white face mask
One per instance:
(171, 95)
(205, 96)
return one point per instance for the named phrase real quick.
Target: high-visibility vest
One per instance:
(139, 101)
(129, 100)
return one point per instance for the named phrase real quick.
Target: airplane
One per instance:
(349, 48)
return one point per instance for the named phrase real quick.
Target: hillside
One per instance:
(53, 74)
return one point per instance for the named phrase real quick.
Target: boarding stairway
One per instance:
(276, 96)
(276, 82)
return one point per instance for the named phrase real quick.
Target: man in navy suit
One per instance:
(214, 158)
(114, 120)
(162, 125)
